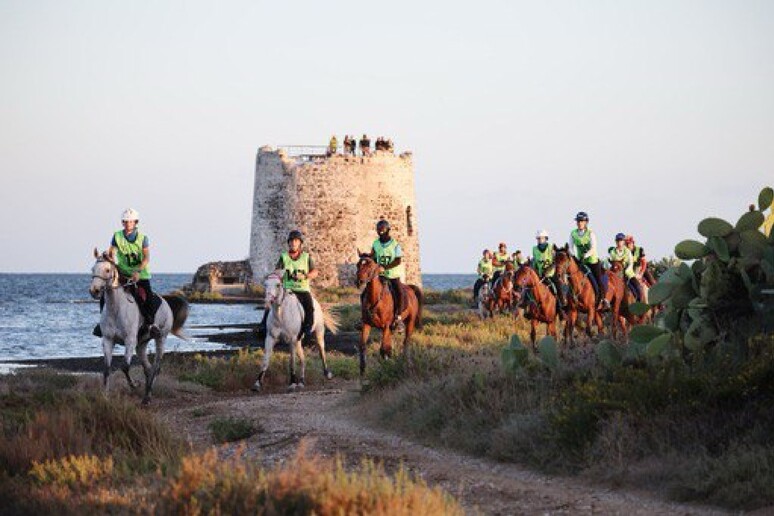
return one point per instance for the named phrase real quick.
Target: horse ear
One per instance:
(112, 254)
(96, 253)
(567, 248)
(359, 252)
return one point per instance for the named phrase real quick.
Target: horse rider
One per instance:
(498, 261)
(131, 249)
(484, 270)
(583, 245)
(518, 259)
(621, 253)
(297, 269)
(386, 251)
(543, 263)
(640, 262)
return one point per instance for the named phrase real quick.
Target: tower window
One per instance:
(409, 222)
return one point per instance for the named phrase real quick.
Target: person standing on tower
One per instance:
(386, 251)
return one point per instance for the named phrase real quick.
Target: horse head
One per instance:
(525, 279)
(104, 273)
(273, 288)
(367, 269)
(616, 266)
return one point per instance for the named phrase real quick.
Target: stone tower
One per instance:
(335, 201)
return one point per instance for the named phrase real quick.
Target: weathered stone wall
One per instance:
(336, 203)
(213, 276)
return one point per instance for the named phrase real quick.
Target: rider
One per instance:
(518, 259)
(484, 269)
(499, 259)
(131, 249)
(640, 262)
(297, 269)
(621, 253)
(386, 251)
(583, 245)
(543, 263)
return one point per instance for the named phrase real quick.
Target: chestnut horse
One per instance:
(582, 297)
(536, 298)
(377, 309)
(623, 316)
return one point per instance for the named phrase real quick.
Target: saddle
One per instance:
(590, 275)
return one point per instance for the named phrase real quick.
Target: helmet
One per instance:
(620, 236)
(486, 251)
(629, 239)
(582, 215)
(542, 234)
(296, 234)
(130, 214)
(382, 225)
(502, 244)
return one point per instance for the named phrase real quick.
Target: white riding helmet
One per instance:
(130, 214)
(542, 234)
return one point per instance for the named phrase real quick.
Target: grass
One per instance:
(67, 449)
(230, 429)
(697, 434)
(304, 485)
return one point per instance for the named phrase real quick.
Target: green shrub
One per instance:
(232, 429)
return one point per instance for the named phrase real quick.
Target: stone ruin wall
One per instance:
(336, 203)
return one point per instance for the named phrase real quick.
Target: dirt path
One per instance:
(327, 419)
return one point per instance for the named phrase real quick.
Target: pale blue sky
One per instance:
(649, 115)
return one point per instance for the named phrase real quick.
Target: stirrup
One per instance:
(97, 332)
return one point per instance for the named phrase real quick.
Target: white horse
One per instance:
(485, 302)
(121, 321)
(284, 324)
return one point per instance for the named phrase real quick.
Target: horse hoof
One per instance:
(328, 375)
(300, 385)
(256, 387)
(146, 400)
(292, 387)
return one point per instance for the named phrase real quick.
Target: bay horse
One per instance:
(377, 309)
(502, 292)
(537, 299)
(582, 297)
(121, 320)
(486, 301)
(284, 324)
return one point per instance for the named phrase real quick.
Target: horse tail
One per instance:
(330, 319)
(420, 301)
(180, 308)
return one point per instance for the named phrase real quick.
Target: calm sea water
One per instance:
(52, 315)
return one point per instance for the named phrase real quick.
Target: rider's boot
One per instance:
(97, 331)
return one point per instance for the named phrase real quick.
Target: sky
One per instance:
(649, 115)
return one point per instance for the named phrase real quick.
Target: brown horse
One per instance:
(623, 316)
(582, 297)
(536, 298)
(502, 292)
(377, 309)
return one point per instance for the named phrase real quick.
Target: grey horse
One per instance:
(121, 321)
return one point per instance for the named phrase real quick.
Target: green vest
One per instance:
(502, 258)
(129, 256)
(583, 245)
(636, 254)
(485, 268)
(291, 266)
(542, 260)
(385, 254)
(625, 257)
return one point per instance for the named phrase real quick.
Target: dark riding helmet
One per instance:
(382, 225)
(296, 234)
(582, 215)
(620, 236)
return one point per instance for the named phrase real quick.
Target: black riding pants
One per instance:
(596, 269)
(306, 301)
(477, 286)
(634, 285)
(398, 299)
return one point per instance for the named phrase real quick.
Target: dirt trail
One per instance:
(327, 418)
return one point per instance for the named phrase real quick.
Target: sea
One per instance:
(46, 316)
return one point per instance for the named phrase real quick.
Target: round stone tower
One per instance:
(335, 201)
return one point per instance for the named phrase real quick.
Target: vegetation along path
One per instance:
(329, 421)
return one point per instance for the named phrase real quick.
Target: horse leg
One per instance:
(268, 346)
(572, 321)
(302, 366)
(107, 349)
(151, 371)
(533, 331)
(293, 380)
(364, 332)
(386, 349)
(128, 355)
(321, 348)
(410, 324)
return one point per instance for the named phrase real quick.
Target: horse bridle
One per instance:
(373, 276)
(111, 282)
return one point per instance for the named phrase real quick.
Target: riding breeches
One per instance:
(634, 285)
(398, 296)
(305, 298)
(477, 286)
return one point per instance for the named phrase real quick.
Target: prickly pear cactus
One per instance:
(724, 297)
